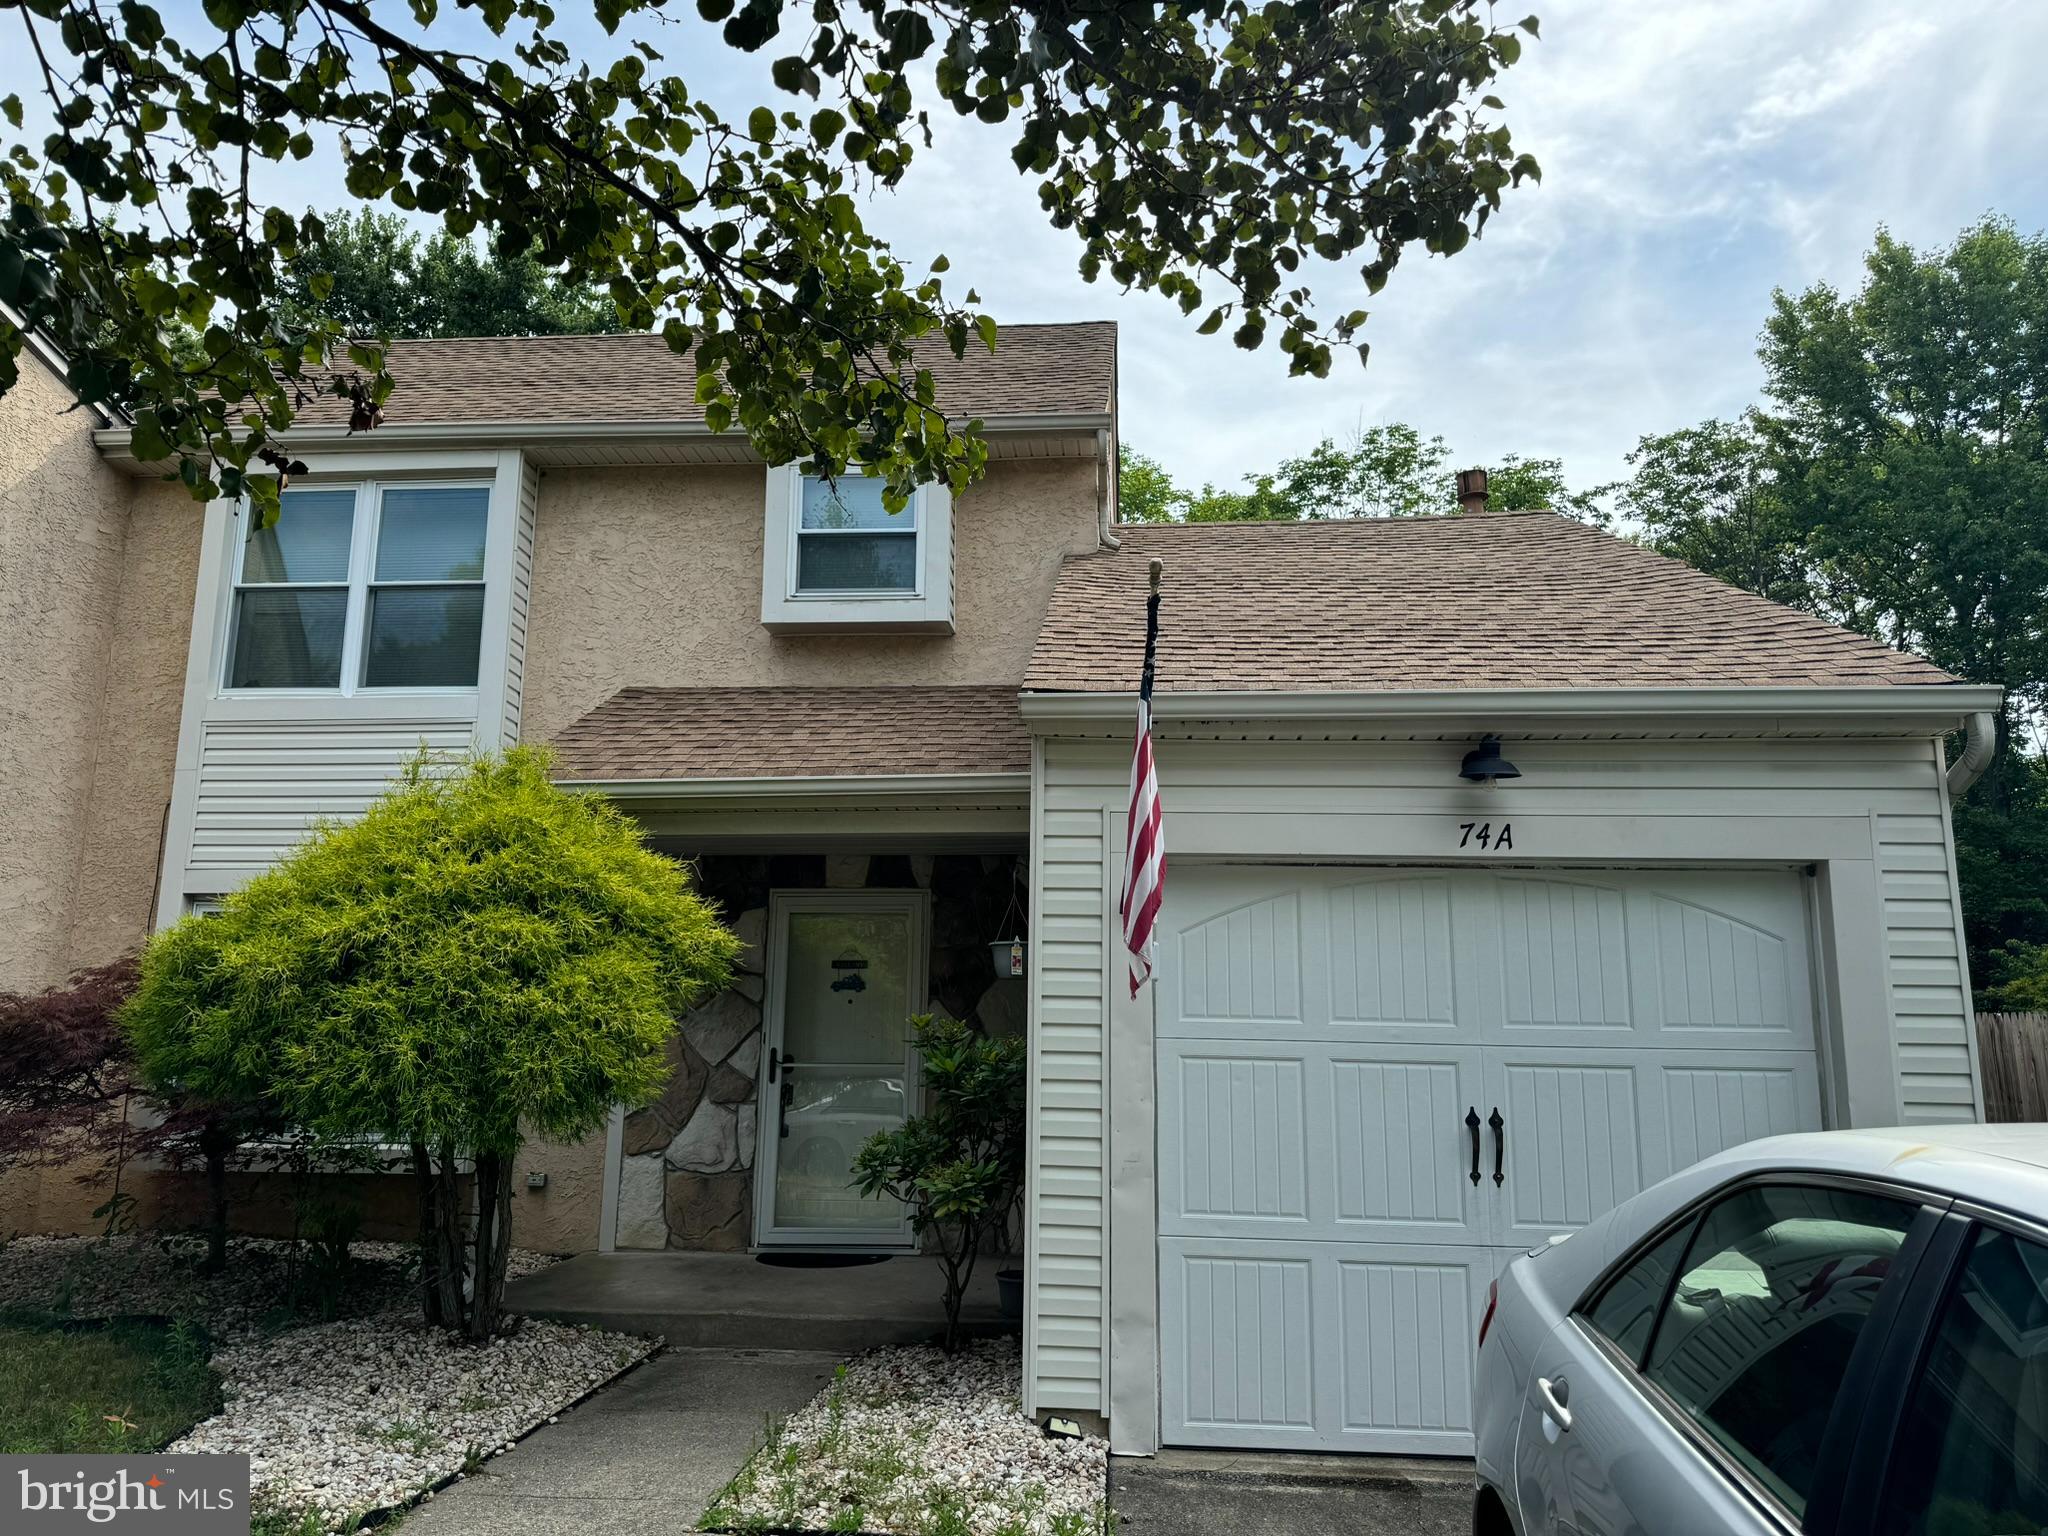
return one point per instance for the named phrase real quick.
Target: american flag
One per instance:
(1145, 831)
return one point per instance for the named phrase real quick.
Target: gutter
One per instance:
(114, 442)
(1937, 702)
(1105, 491)
(1979, 746)
(870, 786)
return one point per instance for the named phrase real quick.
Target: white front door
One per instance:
(1334, 1046)
(846, 970)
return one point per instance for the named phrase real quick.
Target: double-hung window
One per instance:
(836, 558)
(359, 588)
(848, 541)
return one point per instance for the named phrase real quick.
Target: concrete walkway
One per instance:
(1240, 1493)
(642, 1458)
(732, 1301)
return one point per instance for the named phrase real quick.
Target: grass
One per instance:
(128, 1386)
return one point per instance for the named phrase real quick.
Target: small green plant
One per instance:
(270, 1519)
(116, 1214)
(415, 1436)
(947, 1515)
(958, 1167)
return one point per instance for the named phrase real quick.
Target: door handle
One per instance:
(1555, 1394)
(774, 1060)
(1472, 1125)
(1500, 1146)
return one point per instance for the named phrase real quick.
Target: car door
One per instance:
(1956, 1437)
(1694, 1390)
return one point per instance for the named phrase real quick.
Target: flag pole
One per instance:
(1145, 830)
(1157, 568)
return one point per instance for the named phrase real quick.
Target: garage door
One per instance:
(1377, 1088)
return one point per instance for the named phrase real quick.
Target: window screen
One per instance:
(291, 595)
(847, 541)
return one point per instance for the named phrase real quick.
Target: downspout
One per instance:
(1980, 742)
(1105, 490)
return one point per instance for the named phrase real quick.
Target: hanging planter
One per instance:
(1008, 955)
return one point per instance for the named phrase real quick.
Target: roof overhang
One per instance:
(1909, 709)
(624, 443)
(872, 813)
(905, 788)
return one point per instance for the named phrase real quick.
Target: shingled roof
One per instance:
(648, 734)
(1500, 600)
(1056, 370)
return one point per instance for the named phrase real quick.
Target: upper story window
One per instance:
(362, 587)
(847, 541)
(835, 558)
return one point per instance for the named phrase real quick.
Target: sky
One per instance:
(1695, 156)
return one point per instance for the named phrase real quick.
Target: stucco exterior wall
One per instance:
(653, 577)
(63, 522)
(137, 746)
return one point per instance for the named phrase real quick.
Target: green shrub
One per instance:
(959, 1165)
(479, 956)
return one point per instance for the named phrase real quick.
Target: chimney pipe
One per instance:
(1472, 490)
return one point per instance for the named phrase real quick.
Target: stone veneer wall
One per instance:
(686, 1179)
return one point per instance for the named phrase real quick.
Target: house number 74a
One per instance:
(1500, 839)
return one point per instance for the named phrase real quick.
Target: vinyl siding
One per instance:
(262, 786)
(1925, 967)
(520, 599)
(1283, 794)
(1068, 1218)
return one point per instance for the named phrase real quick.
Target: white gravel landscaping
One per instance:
(338, 1418)
(908, 1440)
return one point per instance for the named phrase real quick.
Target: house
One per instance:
(1415, 1010)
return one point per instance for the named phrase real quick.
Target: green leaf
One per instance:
(761, 125)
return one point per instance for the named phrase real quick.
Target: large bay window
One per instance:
(836, 558)
(361, 587)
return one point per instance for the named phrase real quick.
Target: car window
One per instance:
(1628, 1304)
(1973, 1452)
(1771, 1295)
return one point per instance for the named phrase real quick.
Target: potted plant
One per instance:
(959, 1165)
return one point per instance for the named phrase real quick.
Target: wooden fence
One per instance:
(2012, 1052)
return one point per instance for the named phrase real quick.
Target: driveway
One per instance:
(1247, 1494)
(642, 1458)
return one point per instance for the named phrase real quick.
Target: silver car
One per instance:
(1844, 1332)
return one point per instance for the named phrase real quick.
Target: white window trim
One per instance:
(928, 608)
(361, 578)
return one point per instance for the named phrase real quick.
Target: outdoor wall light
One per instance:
(1484, 763)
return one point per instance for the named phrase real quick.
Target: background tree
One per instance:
(1390, 470)
(389, 281)
(1207, 151)
(1896, 480)
(480, 956)
(1708, 495)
